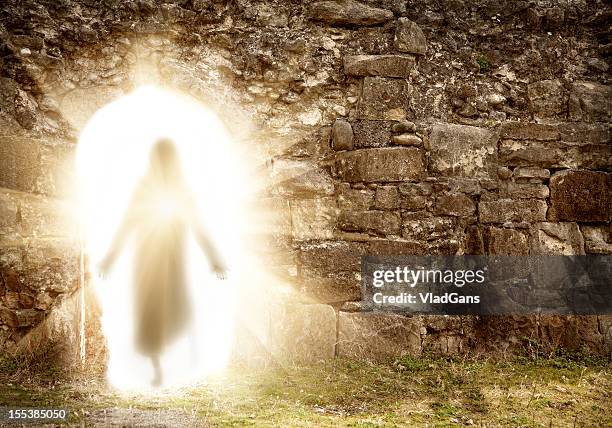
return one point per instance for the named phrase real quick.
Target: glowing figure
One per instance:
(161, 210)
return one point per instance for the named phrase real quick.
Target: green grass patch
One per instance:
(407, 392)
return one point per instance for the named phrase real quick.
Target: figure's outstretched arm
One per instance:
(208, 248)
(205, 242)
(118, 241)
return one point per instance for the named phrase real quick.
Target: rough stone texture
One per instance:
(415, 197)
(528, 131)
(421, 226)
(36, 166)
(303, 333)
(355, 199)
(407, 140)
(384, 98)
(580, 196)
(385, 247)
(330, 270)
(379, 65)
(459, 150)
(372, 133)
(557, 239)
(382, 222)
(570, 333)
(300, 178)
(597, 239)
(457, 205)
(508, 210)
(381, 165)
(531, 172)
(274, 73)
(348, 12)
(548, 98)
(313, 218)
(528, 191)
(342, 135)
(590, 101)
(409, 37)
(387, 198)
(555, 154)
(506, 242)
(378, 337)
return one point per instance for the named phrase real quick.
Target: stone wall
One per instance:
(386, 127)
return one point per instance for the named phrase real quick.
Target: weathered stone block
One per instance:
(444, 343)
(381, 165)
(303, 333)
(383, 222)
(528, 191)
(569, 333)
(421, 226)
(387, 198)
(38, 216)
(581, 132)
(377, 337)
(300, 178)
(506, 242)
(354, 199)
(457, 205)
(414, 196)
(329, 288)
(387, 247)
(473, 243)
(597, 239)
(379, 65)
(407, 140)
(504, 334)
(313, 218)
(547, 98)
(372, 133)
(470, 186)
(462, 150)
(508, 210)
(330, 270)
(9, 209)
(528, 131)
(578, 195)
(384, 98)
(530, 172)
(33, 165)
(342, 135)
(332, 256)
(555, 154)
(557, 238)
(590, 101)
(409, 37)
(348, 13)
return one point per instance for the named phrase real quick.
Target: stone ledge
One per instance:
(381, 165)
(348, 13)
(379, 65)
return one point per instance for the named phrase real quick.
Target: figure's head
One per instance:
(164, 160)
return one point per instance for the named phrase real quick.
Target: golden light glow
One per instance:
(112, 156)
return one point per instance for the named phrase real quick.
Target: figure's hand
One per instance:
(104, 268)
(220, 271)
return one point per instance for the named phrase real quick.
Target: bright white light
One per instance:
(112, 155)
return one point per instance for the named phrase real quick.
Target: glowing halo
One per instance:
(112, 154)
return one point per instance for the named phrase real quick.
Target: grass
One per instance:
(560, 391)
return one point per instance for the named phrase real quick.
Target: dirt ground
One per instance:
(559, 391)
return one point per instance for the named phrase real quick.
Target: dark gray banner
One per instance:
(488, 285)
